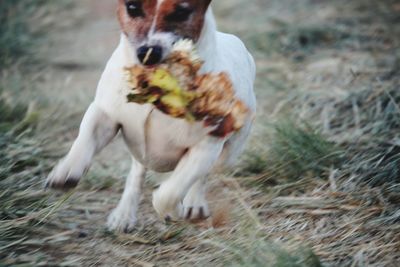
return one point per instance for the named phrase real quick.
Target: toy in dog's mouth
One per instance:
(176, 88)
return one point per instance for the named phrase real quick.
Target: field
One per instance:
(319, 182)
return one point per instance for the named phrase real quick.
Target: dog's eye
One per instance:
(134, 9)
(180, 14)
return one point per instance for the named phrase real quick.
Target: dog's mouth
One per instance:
(153, 66)
(149, 66)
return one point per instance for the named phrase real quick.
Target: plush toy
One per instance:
(176, 88)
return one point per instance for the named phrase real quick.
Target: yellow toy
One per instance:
(176, 88)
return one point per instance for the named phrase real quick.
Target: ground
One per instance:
(304, 50)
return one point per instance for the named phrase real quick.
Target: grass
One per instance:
(10, 115)
(365, 125)
(296, 150)
(19, 171)
(375, 155)
(299, 150)
(24, 206)
(256, 251)
(17, 39)
(305, 38)
(23, 26)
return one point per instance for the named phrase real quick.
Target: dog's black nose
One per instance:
(149, 55)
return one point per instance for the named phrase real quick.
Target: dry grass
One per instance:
(24, 206)
(24, 155)
(320, 188)
(366, 124)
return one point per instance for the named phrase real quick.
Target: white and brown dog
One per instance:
(156, 141)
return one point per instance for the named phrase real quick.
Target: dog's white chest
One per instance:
(164, 139)
(157, 140)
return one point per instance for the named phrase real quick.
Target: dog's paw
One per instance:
(65, 175)
(167, 204)
(195, 207)
(121, 220)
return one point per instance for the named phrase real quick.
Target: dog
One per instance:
(158, 142)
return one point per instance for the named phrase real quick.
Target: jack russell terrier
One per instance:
(157, 141)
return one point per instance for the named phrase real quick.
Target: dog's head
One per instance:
(153, 26)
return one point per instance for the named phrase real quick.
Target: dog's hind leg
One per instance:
(96, 131)
(123, 217)
(233, 148)
(198, 161)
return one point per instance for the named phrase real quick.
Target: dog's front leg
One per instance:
(194, 205)
(194, 165)
(123, 217)
(96, 131)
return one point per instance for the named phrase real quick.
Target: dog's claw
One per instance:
(202, 214)
(166, 204)
(67, 185)
(189, 213)
(167, 219)
(126, 230)
(195, 207)
(66, 175)
(70, 183)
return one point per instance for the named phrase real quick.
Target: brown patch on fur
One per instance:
(190, 28)
(140, 26)
(225, 127)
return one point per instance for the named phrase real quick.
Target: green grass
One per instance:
(10, 115)
(22, 29)
(300, 150)
(263, 252)
(16, 37)
(293, 151)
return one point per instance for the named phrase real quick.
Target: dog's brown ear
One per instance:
(206, 2)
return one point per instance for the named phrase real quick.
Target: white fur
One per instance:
(123, 217)
(157, 141)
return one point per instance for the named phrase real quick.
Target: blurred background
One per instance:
(318, 185)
